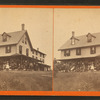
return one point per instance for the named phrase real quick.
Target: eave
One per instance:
(79, 47)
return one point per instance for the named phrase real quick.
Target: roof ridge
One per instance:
(87, 33)
(16, 31)
(13, 32)
(81, 43)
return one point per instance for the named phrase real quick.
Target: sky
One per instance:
(38, 22)
(80, 20)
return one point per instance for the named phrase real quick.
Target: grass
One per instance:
(25, 81)
(77, 81)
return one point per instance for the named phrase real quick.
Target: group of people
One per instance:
(75, 66)
(25, 66)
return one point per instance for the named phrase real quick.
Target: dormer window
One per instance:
(73, 41)
(90, 37)
(73, 38)
(5, 37)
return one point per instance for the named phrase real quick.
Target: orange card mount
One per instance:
(49, 93)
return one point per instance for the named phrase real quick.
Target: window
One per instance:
(32, 56)
(43, 60)
(89, 38)
(4, 37)
(64, 52)
(67, 53)
(40, 54)
(92, 50)
(20, 49)
(8, 49)
(25, 40)
(72, 41)
(36, 58)
(78, 51)
(27, 52)
(36, 53)
(43, 55)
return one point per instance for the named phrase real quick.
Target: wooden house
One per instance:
(16, 49)
(84, 49)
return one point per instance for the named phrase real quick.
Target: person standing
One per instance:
(7, 66)
(92, 67)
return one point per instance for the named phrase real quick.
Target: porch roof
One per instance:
(20, 55)
(44, 64)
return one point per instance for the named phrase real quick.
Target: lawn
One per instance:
(77, 81)
(25, 81)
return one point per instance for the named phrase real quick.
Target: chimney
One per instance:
(23, 27)
(73, 33)
(37, 49)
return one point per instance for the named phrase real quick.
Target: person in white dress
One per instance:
(92, 67)
(7, 66)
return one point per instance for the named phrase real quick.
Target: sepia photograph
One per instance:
(26, 49)
(76, 49)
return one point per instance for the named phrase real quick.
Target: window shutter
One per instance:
(20, 49)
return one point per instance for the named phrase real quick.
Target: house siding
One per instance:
(38, 56)
(24, 46)
(3, 50)
(85, 52)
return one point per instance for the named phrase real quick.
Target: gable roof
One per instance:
(6, 34)
(82, 42)
(29, 40)
(15, 38)
(91, 35)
